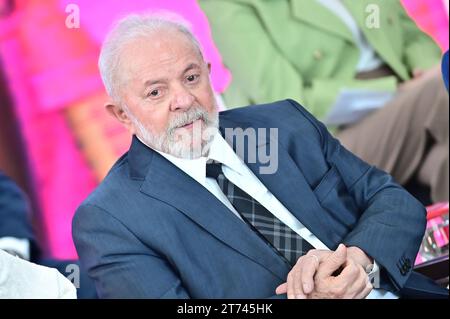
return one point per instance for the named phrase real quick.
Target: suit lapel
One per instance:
(167, 183)
(315, 14)
(289, 186)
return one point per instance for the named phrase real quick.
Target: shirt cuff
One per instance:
(374, 278)
(373, 271)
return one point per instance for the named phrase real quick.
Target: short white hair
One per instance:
(130, 28)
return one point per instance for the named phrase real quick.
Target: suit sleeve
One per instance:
(391, 222)
(120, 265)
(14, 211)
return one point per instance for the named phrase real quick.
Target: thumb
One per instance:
(281, 289)
(333, 262)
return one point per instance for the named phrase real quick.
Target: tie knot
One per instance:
(213, 170)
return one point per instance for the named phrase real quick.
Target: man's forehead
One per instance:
(159, 53)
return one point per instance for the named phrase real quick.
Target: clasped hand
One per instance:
(324, 274)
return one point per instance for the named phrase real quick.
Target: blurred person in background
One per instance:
(16, 233)
(38, 98)
(13, 157)
(320, 51)
(21, 231)
(20, 278)
(23, 279)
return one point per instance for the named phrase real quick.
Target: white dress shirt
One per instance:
(240, 175)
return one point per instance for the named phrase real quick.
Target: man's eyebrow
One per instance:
(191, 66)
(155, 81)
(161, 80)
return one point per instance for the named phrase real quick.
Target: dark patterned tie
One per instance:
(285, 241)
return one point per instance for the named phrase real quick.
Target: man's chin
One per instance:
(190, 141)
(191, 152)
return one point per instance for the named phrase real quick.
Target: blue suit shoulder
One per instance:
(288, 115)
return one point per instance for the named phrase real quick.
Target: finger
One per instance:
(281, 289)
(310, 266)
(366, 291)
(350, 273)
(290, 286)
(333, 262)
(298, 289)
(365, 286)
(358, 284)
(346, 285)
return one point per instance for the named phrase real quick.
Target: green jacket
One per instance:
(298, 49)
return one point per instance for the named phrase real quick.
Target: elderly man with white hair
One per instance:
(256, 202)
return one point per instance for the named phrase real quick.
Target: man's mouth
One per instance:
(191, 124)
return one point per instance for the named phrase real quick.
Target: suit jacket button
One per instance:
(408, 263)
(405, 269)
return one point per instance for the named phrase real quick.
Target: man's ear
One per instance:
(119, 113)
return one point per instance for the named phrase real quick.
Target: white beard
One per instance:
(181, 142)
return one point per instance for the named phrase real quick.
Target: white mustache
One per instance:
(188, 117)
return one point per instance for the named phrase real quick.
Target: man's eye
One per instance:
(192, 78)
(154, 93)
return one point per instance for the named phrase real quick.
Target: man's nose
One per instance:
(182, 100)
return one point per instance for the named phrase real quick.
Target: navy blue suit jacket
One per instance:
(14, 212)
(444, 67)
(149, 230)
